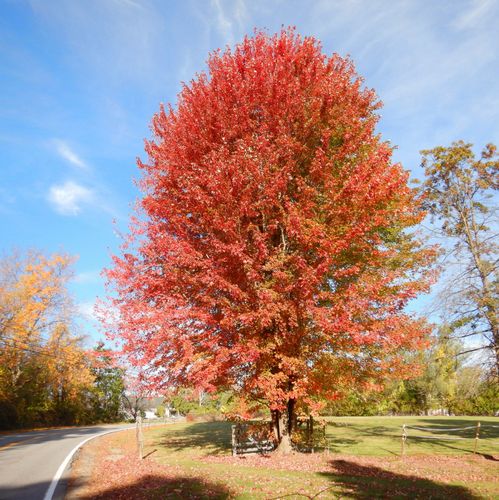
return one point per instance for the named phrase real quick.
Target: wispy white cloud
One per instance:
(68, 198)
(7, 200)
(86, 310)
(64, 151)
(230, 18)
(240, 12)
(115, 40)
(88, 277)
(224, 25)
(130, 3)
(419, 59)
(471, 17)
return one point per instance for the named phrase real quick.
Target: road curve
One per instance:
(30, 460)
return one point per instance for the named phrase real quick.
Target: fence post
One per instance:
(311, 435)
(477, 436)
(140, 437)
(404, 437)
(234, 444)
(324, 436)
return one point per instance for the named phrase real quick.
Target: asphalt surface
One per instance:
(30, 460)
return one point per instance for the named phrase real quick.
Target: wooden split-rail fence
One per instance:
(406, 434)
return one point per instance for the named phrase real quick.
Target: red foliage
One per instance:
(272, 251)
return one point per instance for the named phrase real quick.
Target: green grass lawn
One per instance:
(382, 435)
(363, 462)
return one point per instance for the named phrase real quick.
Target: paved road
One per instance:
(29, 460)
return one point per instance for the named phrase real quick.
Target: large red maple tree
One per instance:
(272, 253)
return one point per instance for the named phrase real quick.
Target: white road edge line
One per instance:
(62, 467)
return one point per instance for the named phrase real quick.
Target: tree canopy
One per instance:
(47, 376)
(272, 252)
(461, 194)
(43, 368)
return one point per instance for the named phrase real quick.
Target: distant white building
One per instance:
(151, 414)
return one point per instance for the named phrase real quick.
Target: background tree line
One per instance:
(447, 384)
(47, 376)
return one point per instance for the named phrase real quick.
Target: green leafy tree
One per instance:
(184, 401)
(461, 193)
(435, 387)
(109, 386)
(476, 392)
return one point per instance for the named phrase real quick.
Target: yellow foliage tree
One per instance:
(43, 365)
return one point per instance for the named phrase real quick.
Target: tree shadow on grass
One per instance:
(153, 487)
(488, 457)
(213, 437)
(433, 440)
(369, 482)
(488, 430)
(361, 431)
(462, 429)
(337, 444)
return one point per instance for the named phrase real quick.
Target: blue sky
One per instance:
(81, 79)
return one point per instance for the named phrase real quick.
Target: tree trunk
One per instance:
(486, 294)
(284, 424)
(275, 425)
